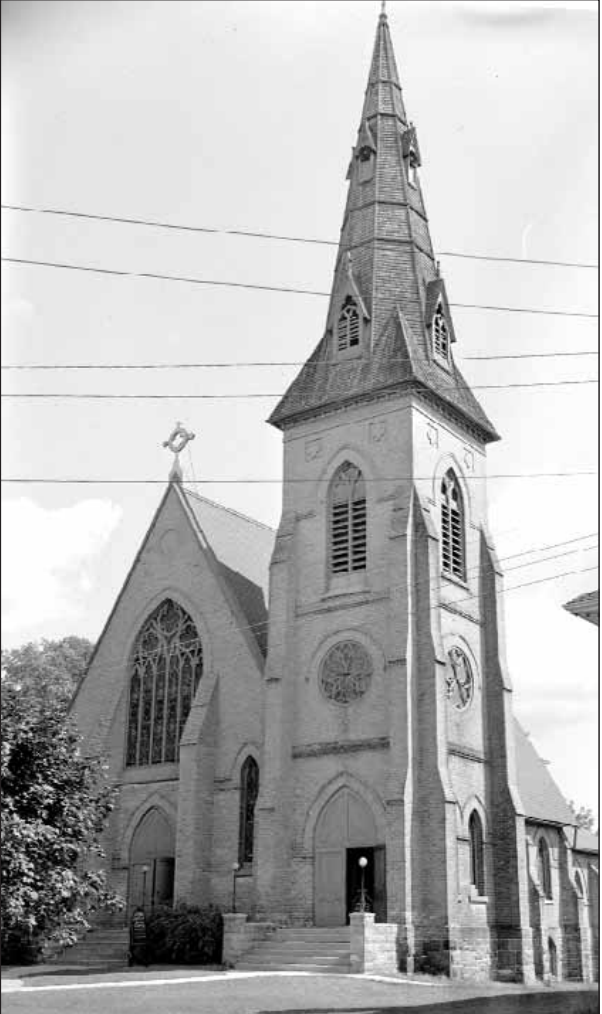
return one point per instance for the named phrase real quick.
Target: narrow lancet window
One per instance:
(477, 858)
(348, 326)
(249, 789)
(348, 518)
(453, 548)
(167, 665)
(544, 869)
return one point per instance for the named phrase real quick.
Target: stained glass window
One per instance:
(346, 672)
(167, 665)
(249, 788)
(545, 872)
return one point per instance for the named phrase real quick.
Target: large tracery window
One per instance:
(453, 550)
(477, 858)
(348, 520)
(249, 789)
(166, 668)
(348, 326)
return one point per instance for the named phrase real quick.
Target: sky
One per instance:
(241, 116)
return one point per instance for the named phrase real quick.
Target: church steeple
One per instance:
(386, 274)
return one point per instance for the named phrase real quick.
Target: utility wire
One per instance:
(241, 365)
(267, 288)
(268, 235)
(259, 482)
(272, 394)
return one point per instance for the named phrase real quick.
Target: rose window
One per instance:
(459, 678)
(346, 672)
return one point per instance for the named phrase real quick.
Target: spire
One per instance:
(386, 269)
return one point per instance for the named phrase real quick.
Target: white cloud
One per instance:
(47, 555)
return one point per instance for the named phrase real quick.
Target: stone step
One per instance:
(249, 966)
(337, 933)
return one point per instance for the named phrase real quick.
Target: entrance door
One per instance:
(346, 826)
(152, 863)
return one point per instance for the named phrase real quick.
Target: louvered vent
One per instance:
(348, 327)
(452, 528)
(440, 335)
(348, 519)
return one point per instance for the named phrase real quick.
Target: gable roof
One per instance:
(585, 841)
(541, 797)
(243, 549)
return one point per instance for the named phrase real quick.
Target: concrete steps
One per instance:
(305, 949)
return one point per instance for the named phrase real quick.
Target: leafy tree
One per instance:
(584, 816)
(54, 803)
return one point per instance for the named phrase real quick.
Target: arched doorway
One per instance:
(152, 862)
(345, 832)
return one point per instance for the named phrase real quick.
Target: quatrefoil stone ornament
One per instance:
(346, 672)
(459, 678)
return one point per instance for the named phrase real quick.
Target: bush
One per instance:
(186, 935)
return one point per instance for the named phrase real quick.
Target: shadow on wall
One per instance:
(553, 1002)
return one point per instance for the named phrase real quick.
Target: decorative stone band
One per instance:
(351, 746)
(467, 753)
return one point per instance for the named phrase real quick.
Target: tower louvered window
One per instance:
(348, 521)
(348, 327)
(453, 550)
(440, 335)
(477, 859)
(166, 668)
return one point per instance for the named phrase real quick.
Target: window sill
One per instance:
(458, 581)
(150, 773)
(477, 899)
(244, 871)
(346, 584)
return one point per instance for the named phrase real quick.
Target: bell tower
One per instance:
(387, 716)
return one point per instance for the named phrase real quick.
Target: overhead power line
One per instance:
(76, 396)
(271, 363)
(189, 280)
(260, 482)
(154, 224)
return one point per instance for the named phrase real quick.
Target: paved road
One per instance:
(182, 992)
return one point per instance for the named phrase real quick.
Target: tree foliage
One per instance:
(54, 802)
(584, 816)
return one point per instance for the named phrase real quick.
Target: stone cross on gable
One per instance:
(176, 442)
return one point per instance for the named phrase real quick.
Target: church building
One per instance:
(276, 706)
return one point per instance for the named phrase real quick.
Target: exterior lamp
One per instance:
(363, 904)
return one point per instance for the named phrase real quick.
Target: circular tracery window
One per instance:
(460, 681)
(346, 672)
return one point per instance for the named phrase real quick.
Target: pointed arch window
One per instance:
(249, 789)
(348, 520)
(348, 326)
(543, 868)
(477, 855)
(166, 667)
(412, 168)
(453, 547)
(440, 335)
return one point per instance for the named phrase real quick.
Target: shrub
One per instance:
(186, 935)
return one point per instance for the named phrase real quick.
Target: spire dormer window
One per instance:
(412, 168)
(348, 326)
(440, 335)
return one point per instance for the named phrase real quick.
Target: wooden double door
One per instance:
(345, 833)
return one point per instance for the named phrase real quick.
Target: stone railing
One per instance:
(374, 946)
(241, 936)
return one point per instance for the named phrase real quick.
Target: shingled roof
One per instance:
(585, 606)
(243, 548)
(386, 259)
(541, 797)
